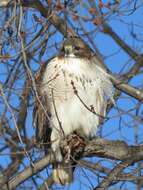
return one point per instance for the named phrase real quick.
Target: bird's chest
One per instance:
(72, 79)
(72, 89)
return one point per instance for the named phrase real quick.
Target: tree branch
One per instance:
(116, 150)
(28, 172)
(102, 169)
(116, 171)
(128, 89)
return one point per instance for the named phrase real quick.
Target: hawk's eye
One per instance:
(77, 48)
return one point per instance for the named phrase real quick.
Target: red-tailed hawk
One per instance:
(73, 92)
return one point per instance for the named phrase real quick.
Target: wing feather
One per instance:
(41, 113)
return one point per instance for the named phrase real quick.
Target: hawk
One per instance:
(73, 91)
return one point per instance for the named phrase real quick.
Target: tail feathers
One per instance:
(63, 173)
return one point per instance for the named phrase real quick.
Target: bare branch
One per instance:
(117, 150)
(116, 171)
(28, 172)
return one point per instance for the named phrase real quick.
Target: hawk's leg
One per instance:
(55, 139)
(74, 147)
(68, 156)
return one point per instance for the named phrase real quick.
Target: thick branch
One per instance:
(117, 150)
(28, 172)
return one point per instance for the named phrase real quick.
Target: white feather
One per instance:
(70, 111)
(93, 86)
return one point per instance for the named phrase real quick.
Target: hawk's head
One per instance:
(68, 48)
(75, 46)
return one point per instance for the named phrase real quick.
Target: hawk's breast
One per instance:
(73, 85)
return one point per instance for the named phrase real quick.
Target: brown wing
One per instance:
(41, 114)
(41, 117)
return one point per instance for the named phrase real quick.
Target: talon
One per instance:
(68, 155)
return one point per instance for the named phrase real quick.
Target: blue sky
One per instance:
(121, 127)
